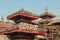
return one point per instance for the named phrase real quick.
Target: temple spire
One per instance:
(46, 10)
(2, 18)
(22, 9)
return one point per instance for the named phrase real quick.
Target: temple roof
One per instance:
(5, 25)
(22, 13)
(45, 20)
(46, 13)
(53, 22)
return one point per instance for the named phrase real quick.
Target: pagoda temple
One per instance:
(25, 28)
(46, 16)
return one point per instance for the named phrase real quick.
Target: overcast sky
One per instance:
(8, 7)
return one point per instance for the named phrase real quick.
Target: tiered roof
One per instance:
(23, 13)
(53, 22)
(46, 13)
(4, 23)
(46, 20)
(29, 15)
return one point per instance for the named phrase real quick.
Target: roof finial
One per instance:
(22, 9)
(2, 18)
(46, 10)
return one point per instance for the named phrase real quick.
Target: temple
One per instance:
(24, 26)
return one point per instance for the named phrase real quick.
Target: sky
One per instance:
(8, 7)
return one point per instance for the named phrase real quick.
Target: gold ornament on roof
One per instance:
(2, 18)
(46, 10)
(22, 9)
